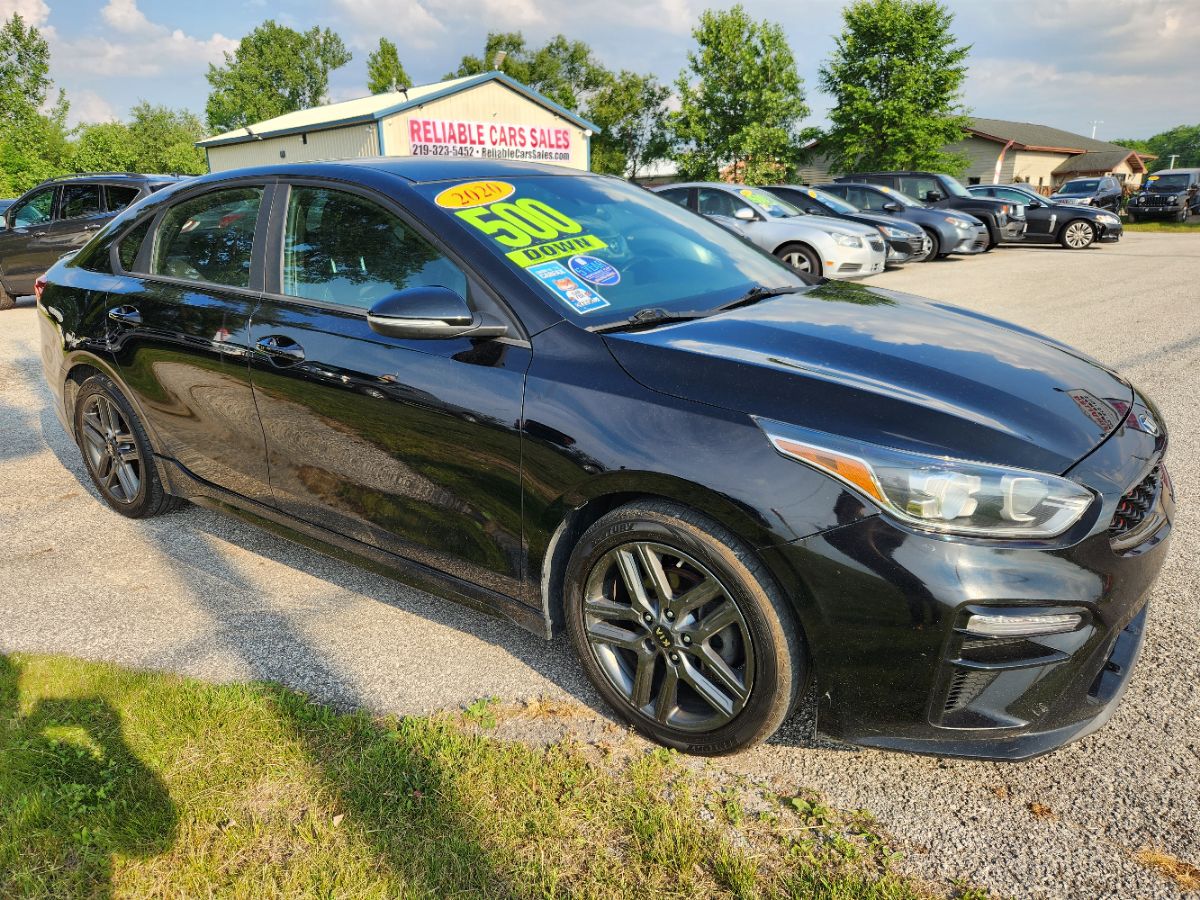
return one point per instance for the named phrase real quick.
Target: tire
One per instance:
(7, 300)
(1183, 215)
(654, 668)
(1077, 234)
(993, 235)
(935, 246)
(800, 257)
(117, 453)
(1133, 220)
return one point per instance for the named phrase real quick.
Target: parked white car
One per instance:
(821, 245)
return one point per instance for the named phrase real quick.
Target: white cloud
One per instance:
(34, 12)
(88, 106)
(124, 16)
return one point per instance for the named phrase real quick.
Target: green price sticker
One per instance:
(532, 231)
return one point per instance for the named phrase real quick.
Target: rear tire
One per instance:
(800, 257)
(682, 629)
(117, 453)
(1078, 234)
(7, 300)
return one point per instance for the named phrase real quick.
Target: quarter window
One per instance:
(127, 250)
(341, 248)
(36, 210)
(79, 200)
(209, 238)
(118, 197)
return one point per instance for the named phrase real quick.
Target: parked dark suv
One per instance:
(1103, 192)
(563, 398)
(1171, 192)
(59, 216)
(1005, 221)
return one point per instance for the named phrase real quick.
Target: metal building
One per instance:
(488, 115)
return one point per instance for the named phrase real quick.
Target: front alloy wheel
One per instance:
(1078, 235)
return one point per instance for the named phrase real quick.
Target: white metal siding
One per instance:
(331, 143)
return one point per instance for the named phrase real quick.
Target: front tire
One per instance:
(935, 246)
(1078, 234)
(116, 451)
(800, 257)
(7, 300)
(682, 629)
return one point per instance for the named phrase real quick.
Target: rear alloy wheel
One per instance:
(117, 452)
(800, 258)
(7, 300)
(681, 630)
(1078, 235)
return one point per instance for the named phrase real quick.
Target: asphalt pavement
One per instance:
(199, 593)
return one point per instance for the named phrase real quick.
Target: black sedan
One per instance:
(948, 231)
(1075, 227)
(905, 242)
(557, 396)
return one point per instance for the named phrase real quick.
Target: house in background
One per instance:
(1006, 151)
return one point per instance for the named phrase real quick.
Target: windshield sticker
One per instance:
(757, 197)
(535, 231)
(594, 270)
(474, 193)
(567, 288)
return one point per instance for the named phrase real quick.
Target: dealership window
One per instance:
(209, 238)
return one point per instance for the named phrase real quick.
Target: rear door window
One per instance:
(79, 200)
(919, 186)
(118, 197)
(342, 248)
(713, 202)
(209, 238)
(676, 195)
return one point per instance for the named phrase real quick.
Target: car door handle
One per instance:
(280, 348)
(91, 227)
(126, 315)
(39, 234)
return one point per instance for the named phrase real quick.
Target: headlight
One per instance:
(1107, 219)
(1172, 199)
(958, 223)
(888, 231)
(847, 240)
(940, 493)
(1086, 201)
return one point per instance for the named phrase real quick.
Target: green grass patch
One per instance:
(1192, 226)
(134, 784)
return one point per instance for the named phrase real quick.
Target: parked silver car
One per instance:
(819, 244)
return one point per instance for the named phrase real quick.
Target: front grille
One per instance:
(849, 267)
(1155, 200)
(876, 244)
(1135, 506)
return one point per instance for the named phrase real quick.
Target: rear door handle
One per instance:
(280, 348)
(126, 315)
(92, 227)
(39, 234)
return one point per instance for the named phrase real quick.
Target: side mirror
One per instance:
(892, 206)
(933, 196)
(1035, 204)
(745, 213)
(431, 312)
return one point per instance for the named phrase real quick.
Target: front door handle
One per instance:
(280, 348)
(39, 234)
(126, 315)
(92, 227)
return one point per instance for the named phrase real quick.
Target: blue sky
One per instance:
(1131, 63)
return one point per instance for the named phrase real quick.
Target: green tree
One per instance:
(565, 71)
(895, 76)
(631, 112)
(1183, 141)
(275, 70)
(385, 72)
(741, 100)
(33, 143)
(156, 139)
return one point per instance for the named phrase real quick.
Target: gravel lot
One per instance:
(206, 595)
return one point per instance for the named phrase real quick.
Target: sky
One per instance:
(1129, 65)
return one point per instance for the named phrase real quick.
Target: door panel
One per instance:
(21, 246)
(183, 348)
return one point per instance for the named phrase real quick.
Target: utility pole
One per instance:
(1096, 122)
(1174, 156)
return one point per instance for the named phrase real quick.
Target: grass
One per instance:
(133, 784)
(1192, 226)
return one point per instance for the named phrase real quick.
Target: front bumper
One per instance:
(1149, 211)
(901, 250)
(884, 609)
(1110, 233)
(973, 240)
(855, 262)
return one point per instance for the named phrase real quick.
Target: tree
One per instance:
(565, 71)
(384, 69)
(156, 139)
(741, 100)
(33, 143)
(895, 76)
(1182, 141)
(631, 112)
(275, 70)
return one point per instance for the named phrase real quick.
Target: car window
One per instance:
(36, 210)
(986, 192)
(117, 197)
(209, 238)
(342, 248)
(127, 250)
(676, 195)
(714, 202)
(1010, 194)
(918, 186)
(79, 200)
(865, 199)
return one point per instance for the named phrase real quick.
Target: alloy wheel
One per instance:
(668, 636)
(111, 451)
(1079, 235)
(798, 261)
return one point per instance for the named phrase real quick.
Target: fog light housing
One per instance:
(1016, 624)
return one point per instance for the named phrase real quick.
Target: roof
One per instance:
(379, 106)
(1099, 161)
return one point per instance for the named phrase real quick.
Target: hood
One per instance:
(888, 368)
(831, 225)
(1074, 199)
(877, 219)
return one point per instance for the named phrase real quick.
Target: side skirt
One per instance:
(182, 483)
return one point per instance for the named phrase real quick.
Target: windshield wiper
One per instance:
(649, 317)
(756, 294)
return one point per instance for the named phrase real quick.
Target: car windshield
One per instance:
(954, 186)
(1167, 182)
(1085, 186)
(600, 249)
(894, 194)
(837, 204)
(772, 206)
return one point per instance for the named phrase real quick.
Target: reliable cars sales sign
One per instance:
(488, 140)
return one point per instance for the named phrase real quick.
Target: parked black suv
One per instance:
(1104, 192)
(1171, 192)
(59, 216)
(1005, 221)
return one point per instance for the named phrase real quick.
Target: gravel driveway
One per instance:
(206, 595)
